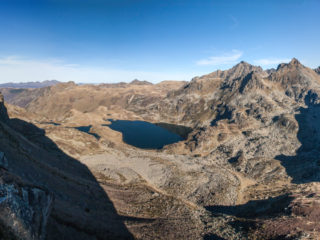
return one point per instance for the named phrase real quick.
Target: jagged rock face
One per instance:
(296, 80)
(194, 103)
(3, 111)
(24, 209)
(226, 94)
(271, 70)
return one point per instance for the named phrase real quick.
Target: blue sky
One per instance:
(154, 40)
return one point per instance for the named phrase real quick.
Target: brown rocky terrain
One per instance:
(248, 170)
(71, 102)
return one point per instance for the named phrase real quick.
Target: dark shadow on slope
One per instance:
(304, 167)
(82, 209)
(248, 214)
(212, 237)
(223, 112)
(254, 209)
(182, 131)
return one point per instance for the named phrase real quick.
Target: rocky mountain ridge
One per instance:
(42, 84)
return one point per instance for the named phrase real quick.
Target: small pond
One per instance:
(147, 135)
(86, 129)
(51, 123)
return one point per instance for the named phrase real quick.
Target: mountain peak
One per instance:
(294, 61)
(243, 68)
(292, 64)
(139, 82)
(243, 64)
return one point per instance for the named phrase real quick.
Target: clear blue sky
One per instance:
(119, 40)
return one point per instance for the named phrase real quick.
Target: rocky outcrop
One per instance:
(3, 111)
(24, 209)
(317, 70)
(295, 80)
(271, 70)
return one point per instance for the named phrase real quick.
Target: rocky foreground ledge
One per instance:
(24, 208)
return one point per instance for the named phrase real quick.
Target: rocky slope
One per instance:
(122, 193)
(21, 96)
(24, 207)
(68, 100)
(47, 194)
(264, 126)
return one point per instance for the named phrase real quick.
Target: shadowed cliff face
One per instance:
(81, 209)
(3, 111)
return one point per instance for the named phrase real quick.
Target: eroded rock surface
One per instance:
(24, 209)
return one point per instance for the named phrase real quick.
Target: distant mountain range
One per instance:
(46, 83)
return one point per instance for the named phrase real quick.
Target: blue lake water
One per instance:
(148, 135)
(86, 129)
(52, 123)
